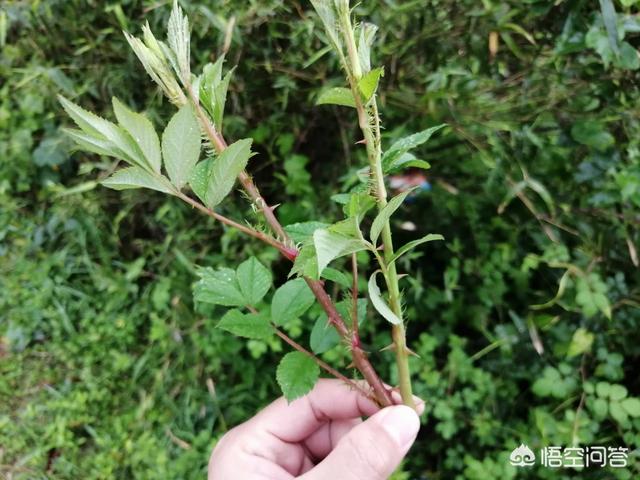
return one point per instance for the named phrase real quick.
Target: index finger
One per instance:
(330, 399)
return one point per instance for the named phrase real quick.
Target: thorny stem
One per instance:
(360, 359)
(354, 296)
(369, 121)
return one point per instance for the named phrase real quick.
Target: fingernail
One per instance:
(401, 422)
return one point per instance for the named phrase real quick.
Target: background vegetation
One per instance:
(108, 369)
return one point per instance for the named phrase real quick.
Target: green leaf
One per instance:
(254, 280)
(290, 301)
(254, 326)
(610, 19)
(178, 38)
(219, 287)
(306, 263)
(101, 129)
(336, 96)
(628, 58)
(336, 276)
(367, 32)
(592, 296)
(199, 179)
(324, 336)
(378, 302)
(142, 133)
(136, 177)
(405, 144)
(592, 134)
(297, 373)
(618, 413)
(326, 12)
(330, 245)
(618, 392)
(385, 214)
(225, 169)
(580, 342)
(603, 389)
(631, 405)
(368, 84)
(562, 285)
(221, 98)
(181, 144)
(600, 408)
(407, 160)
(414, 243)
(213, 90)
(303, 232)
(101, 146)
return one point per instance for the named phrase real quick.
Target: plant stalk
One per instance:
(284, 244)
(369, 122)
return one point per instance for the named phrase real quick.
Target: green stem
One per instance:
(369, 122)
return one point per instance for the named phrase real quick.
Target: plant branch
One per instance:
(369, 121)
(354, 296)
(284, 244)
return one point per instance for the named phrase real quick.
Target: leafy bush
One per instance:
(110, 370)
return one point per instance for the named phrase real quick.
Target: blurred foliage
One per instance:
(526, 320)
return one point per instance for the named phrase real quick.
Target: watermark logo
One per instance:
(522, 456)
(571, 457)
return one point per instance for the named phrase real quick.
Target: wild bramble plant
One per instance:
(177, 164)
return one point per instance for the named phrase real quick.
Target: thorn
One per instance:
(391, 346)
(411, 352)
(351, 365)
(273, 208)
(362, 142)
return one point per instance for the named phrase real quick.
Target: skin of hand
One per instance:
(317, 437)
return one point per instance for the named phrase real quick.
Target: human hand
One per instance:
(317, 437)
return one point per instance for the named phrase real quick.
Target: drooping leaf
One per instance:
(367, 32)
(254, 280)
(297, 374)
(181, 144)
(290, 301)
(136, 177)
(385, 214)
(251, 325)
(336, 96)
(141, 130)
(303, 232)
(368, 84)
(405, 144)
(226, 167)
(330, 245)
(219, 287)
(414, 243)
(378, 302)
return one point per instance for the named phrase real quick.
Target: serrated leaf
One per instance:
(252, 325)
(178, 38)
(297, 374)
(136, 177)
(254, 280)
(324, 336)
(405, 144)
(414, 243)
(87, 142)
(209, 80)
(199, 179)
(225, 169)
(306, 263)
(407, 160)
(330, 245)
(141, 131)
(101, 129)
(181, 143)
(221, 98)
(368, 84)
(326, 13)
(336, 96)
(385, 214)
(219, 287)
(303, 232)
(378, 302)
(290, 301)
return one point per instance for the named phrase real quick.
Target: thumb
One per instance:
(371, 450)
